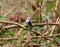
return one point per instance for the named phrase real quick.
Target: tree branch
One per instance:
(8, 39)
(15, 23)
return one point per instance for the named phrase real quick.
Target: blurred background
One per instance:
(45, 18)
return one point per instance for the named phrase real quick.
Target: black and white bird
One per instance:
(28, 23)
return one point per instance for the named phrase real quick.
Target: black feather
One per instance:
(30, 24)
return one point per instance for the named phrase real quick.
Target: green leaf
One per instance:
(2, 18)
(58, 40)
(46, 18)
(38, 28)
(3, 33)
(58, 31)
(1, 2)
(49, 6)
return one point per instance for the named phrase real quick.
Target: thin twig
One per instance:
(8, 39)
(10, 10)
(10, 26)
(46, 36)
(28, 38)
(35, 12)
(19, 32)
(54, 26)
(35, 44)
(41, 24)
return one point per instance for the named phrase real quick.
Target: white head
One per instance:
(27, 19)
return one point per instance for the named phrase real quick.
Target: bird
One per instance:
(28, 23)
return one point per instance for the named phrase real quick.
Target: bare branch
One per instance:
(8, 39)
(15, 23)
(34, 24)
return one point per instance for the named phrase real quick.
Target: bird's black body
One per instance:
(30, 24)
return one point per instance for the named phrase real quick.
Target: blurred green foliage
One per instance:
(2, 18)
(50, 5)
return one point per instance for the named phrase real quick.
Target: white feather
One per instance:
(27, 19)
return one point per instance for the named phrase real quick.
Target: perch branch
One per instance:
(15, 23)
(34, 24)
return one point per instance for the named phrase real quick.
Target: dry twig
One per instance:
(19, 32)
(8, 39)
